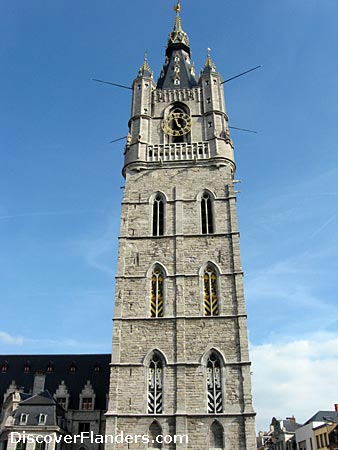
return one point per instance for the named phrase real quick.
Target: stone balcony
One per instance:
(178, 152)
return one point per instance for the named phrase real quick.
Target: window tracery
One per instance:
(214, 384)
(155, 384)
(210, 294)
(157, 291)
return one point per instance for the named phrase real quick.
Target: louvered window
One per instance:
(155, 382)
(156, 295)
(214, 385)
(211, 307)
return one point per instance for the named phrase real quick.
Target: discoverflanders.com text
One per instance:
(90, 437)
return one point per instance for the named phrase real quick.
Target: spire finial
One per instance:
(177, 7)
(209, 64)
(145, 69)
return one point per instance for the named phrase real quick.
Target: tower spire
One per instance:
(178, 71)
(178, 36)
(145, 70)
(209, 64)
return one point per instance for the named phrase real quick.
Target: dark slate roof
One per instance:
(177, 63)
(24, 396)
(324, 416)
(181, 59)
(44, 398)
(60, 370)
(290, 425)
(42, 403)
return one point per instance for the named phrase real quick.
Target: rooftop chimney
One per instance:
(292, 419)
(39, 383)
(336, 406)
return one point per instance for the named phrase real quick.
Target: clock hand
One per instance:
(177, 123)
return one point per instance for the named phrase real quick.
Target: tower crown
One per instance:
(181, 120)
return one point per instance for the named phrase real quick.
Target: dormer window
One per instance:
(23, 419)
(27, 367)
(97, 368)
(209, 124)
(177, 81)
(87, 397)
(40, 445)
(72, 367)
(21, 445)
(4, 367)
(138, 86)
(208, 100)
(42, 419)
(87, 403)
(50, 367)
(62, 401)
(207, 82)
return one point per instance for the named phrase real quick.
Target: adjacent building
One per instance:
(317, 433)
(283, 433)
(314, 433)
(54, 395)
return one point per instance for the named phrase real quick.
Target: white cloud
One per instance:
(6, 338)
(299, 294)
(295, 378)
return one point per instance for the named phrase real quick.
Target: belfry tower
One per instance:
(180, 362)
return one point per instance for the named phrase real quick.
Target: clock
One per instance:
(177, 124)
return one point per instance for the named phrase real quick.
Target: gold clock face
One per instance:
(177, 124)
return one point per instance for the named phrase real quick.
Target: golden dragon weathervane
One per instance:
(177, 7)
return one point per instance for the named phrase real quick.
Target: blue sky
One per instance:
(60, 179)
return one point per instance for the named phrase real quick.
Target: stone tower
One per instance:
(180, 362)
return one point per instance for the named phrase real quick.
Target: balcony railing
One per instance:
(178, 152)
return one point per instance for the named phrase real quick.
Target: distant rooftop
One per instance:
(324, 416)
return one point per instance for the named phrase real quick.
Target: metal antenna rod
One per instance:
(113, 84)
(239, 75)
(119, 139)
(244, 129)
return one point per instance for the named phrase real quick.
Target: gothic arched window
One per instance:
(214, 384)
(216, 437)
(206, 214)
(157, 292)
(155, 430)
(155, 382)
(158, 215)
(210, 294)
